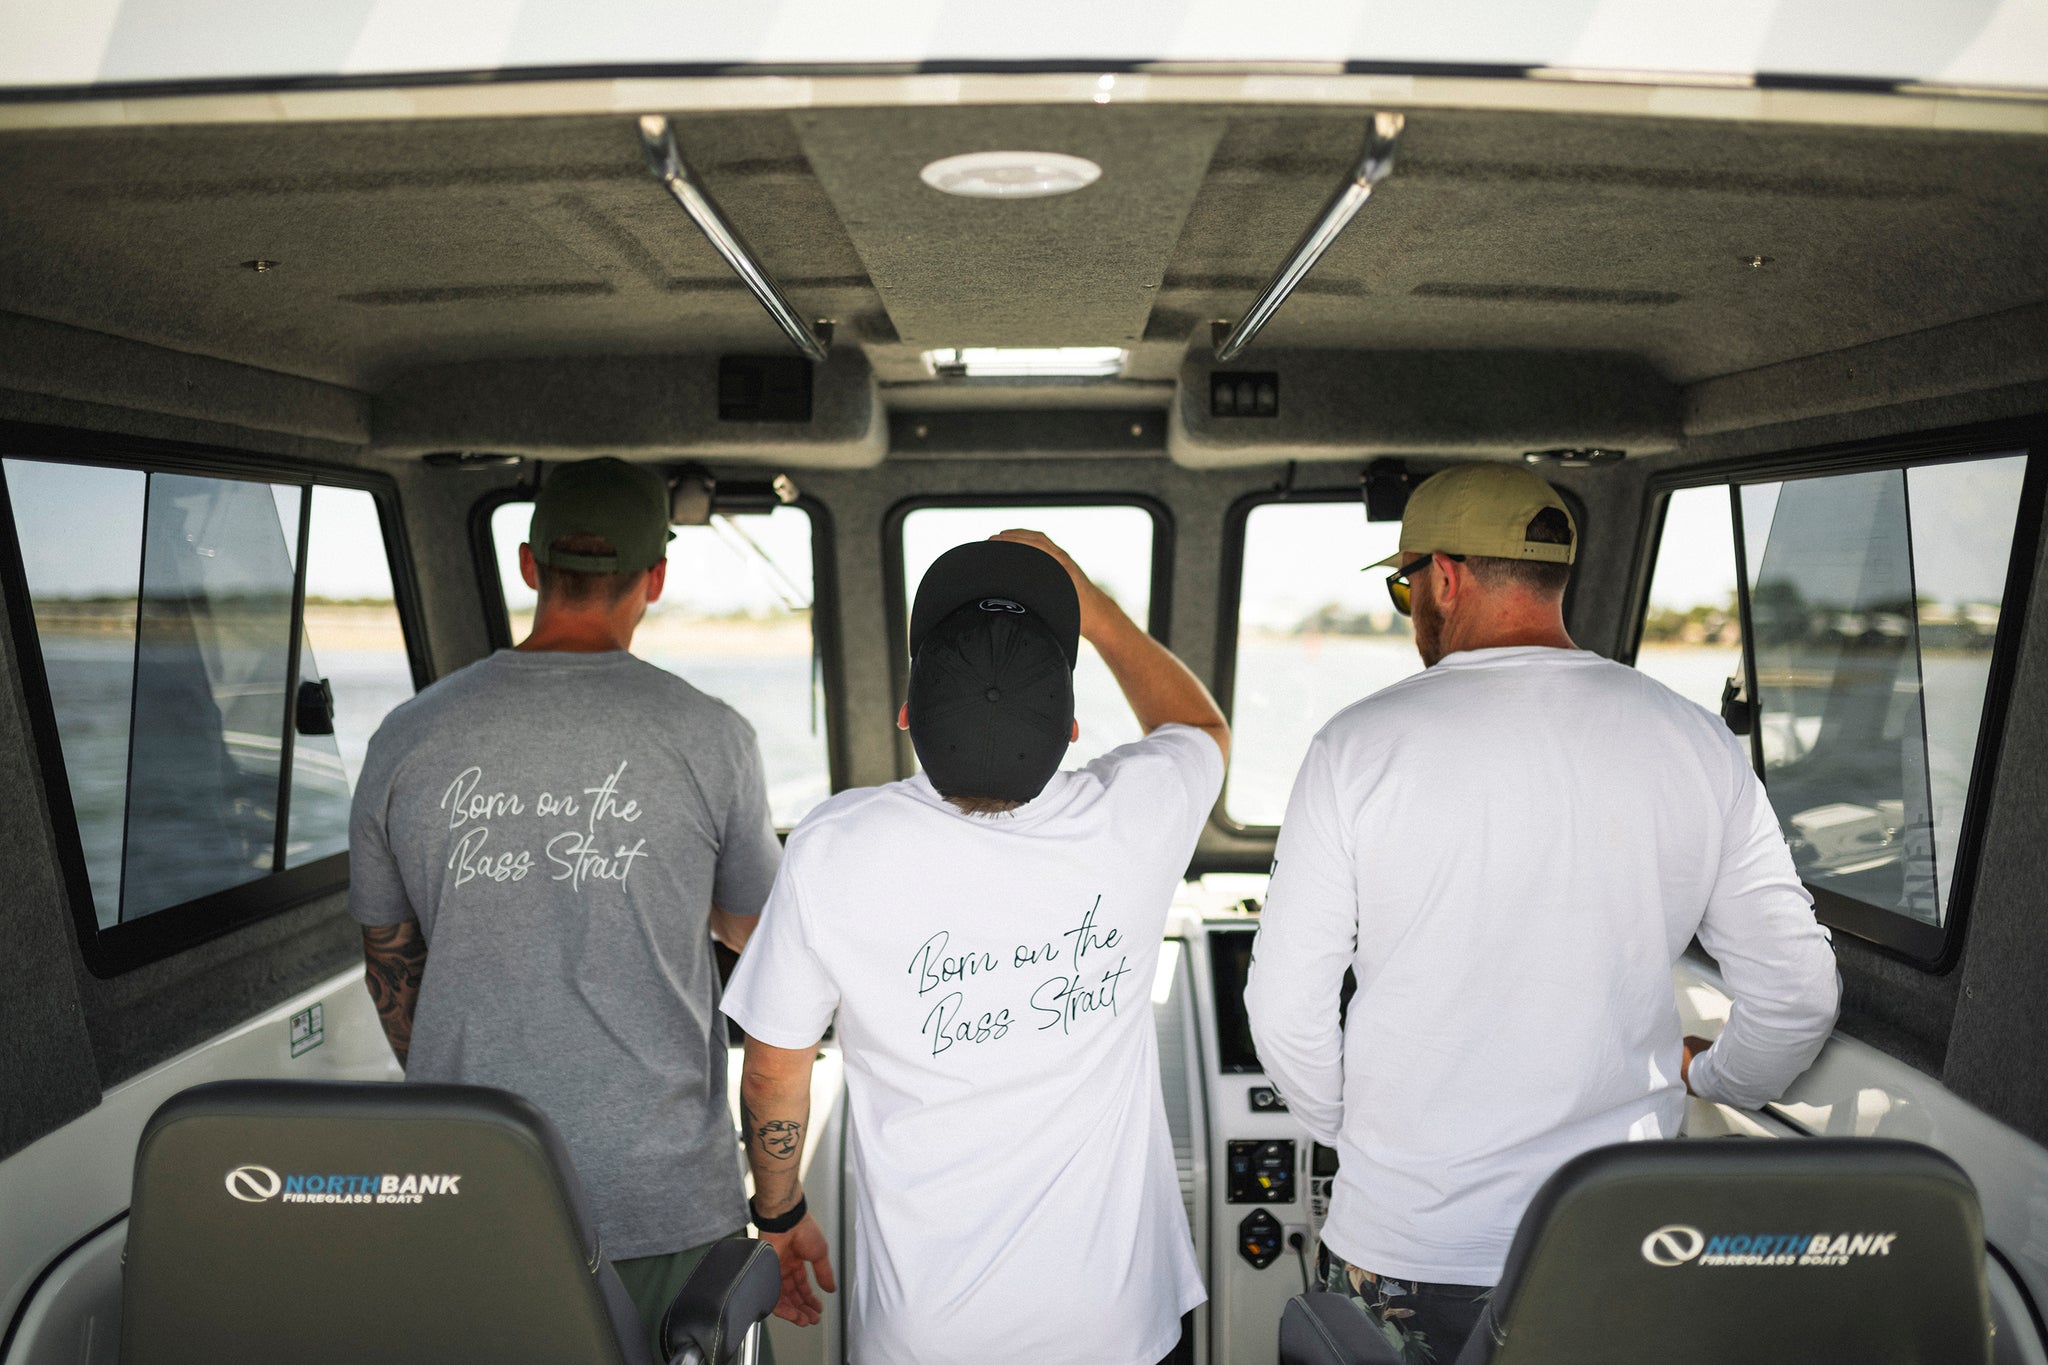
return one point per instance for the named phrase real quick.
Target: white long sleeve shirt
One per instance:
(1511, 849)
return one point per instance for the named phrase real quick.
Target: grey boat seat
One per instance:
(1763, 1251)
(405, 1224)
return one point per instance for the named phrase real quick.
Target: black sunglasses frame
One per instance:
(1398, 587)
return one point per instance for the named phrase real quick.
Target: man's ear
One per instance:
(657, 579)
(903, 716)
(1074, 734)
(529, 568)
(1449, 583)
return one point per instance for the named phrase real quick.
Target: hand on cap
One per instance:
(1092, 597)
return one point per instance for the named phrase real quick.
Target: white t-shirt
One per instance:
(1511, 849)
(1015, 1191)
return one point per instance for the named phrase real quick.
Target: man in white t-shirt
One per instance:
(1510, 850)
(986, 935)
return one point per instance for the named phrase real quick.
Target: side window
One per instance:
(734, 621)
(1874, 603)
(1114, 545)
(200, 740)
(353, 643)
(1692, 631)
(1314, 634)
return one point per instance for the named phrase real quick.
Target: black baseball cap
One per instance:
(994, 633)
(1022, 575)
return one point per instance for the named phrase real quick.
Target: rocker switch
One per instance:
(1258, 1239)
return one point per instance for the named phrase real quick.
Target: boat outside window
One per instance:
(1876, 600)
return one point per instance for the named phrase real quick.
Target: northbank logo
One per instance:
(1676, 1244)
(260, 1184)
(1673, 1245)
(254, 1184)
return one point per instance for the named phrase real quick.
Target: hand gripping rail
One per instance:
(665, 160)
(1374, 163)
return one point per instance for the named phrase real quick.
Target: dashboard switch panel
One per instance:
(1258, 1238)
(1261, 1171)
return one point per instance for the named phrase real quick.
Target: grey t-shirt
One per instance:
(560, 824)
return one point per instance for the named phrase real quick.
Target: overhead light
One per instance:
(1574, 457)
(1011, 175)
(1026, 362)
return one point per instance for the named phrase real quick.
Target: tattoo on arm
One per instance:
(394, 959)
(773, 1146)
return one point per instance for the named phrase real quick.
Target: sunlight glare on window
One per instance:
(1316, 631)
(1692, 632)
(733, 621)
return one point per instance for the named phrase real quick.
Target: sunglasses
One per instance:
(1398, 587)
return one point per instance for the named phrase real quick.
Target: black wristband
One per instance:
(781, 1222)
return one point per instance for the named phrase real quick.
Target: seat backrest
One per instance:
(1768, 1252)
(278, 1220)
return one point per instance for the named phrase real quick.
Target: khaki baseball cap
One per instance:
(626, 504)
(1480, 509)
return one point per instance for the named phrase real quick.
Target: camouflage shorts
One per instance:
(1426, 1323)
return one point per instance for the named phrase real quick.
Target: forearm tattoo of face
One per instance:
(780, 1138)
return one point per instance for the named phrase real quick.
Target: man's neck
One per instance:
(579, 633)
(1509, 629)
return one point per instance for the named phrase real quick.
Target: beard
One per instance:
(1429, 628)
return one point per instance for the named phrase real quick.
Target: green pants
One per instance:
(653, 1282)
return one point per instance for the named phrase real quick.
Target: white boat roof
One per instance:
(1968, 44)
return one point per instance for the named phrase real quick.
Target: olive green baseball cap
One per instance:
(1481, 509)
(626, 504)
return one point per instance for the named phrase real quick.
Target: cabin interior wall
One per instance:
(47, 1071)
(1998, 1046)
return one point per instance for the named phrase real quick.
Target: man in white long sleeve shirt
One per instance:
(1511, 849)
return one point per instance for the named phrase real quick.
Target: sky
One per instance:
(1113, 545)
(81, 531)
(712, 570)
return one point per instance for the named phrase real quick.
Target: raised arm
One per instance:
(1159, 687)
(775, 1109)
(394, 960)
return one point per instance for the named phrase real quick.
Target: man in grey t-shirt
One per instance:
(542, 847)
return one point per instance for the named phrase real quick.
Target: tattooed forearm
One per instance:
(394, 958)
(775, 1107)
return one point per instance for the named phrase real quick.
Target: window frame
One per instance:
(1230, 609)
(824, 603)
(123, 947)
(1935, 949)
(896, 591)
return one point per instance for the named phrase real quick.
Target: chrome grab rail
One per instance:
(1374, 162)
(665, 160)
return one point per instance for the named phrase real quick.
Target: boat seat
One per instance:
(406, 1224)
(1768, 1252)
